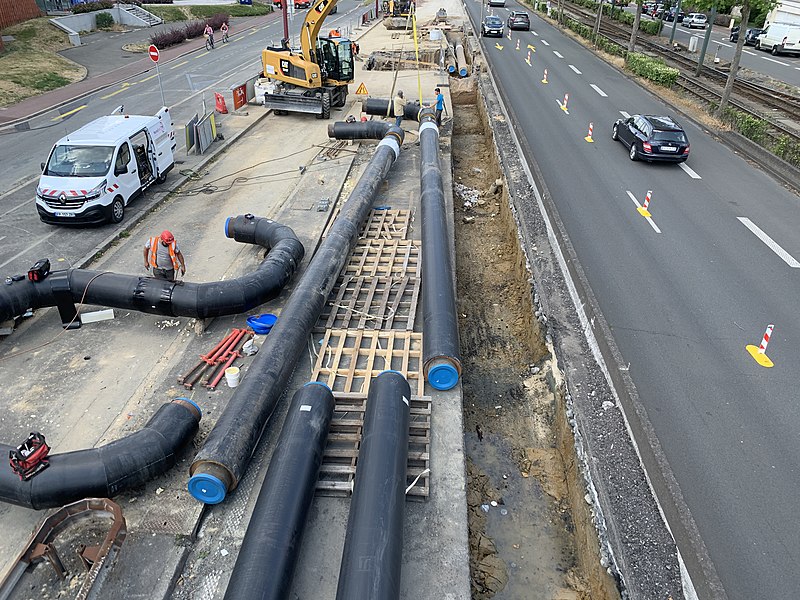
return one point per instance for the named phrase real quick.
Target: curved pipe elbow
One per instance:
(108, 470)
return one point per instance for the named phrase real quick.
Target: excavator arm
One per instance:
(311, 27)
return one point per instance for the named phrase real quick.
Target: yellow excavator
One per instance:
(314, 80)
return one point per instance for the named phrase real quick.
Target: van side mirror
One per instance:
(41, 165)
(121, 170)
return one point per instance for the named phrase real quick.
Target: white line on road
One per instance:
(33, 245)
(624, 114)
(749, 52)
(19, 186)
(598, 90)
(545, 42)
(771, 244)
(722, 44)
(574, 68)
(777, 62)
(689, 171)
(649, 219)
(534, 33)
(557, 53)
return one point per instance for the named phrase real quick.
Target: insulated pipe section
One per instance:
(450, 61)
(174, 299)
(385, 108)
(108, 470)
(462, 60)
(223, 459)
(373, 544)
(366, 130)
(440, 345)
(268, 554)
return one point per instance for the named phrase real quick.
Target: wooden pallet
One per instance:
(348, 359)
(371, 303)
(387, 224)
(340, 460)
(387, 258)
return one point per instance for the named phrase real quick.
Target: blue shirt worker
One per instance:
(162, 253)
(439, 106)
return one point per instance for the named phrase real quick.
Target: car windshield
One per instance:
(493, 21)
(669, 136)
(79, 161)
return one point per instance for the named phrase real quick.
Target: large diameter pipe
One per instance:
(440, 345)
(223, 459)
(450, 61)
(268, 554)
(385, 108)
(108, 470)
(175, 299)
(366, 130)
(373, 544)
(462, 60)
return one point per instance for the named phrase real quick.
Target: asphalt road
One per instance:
(683, 294)
(188, 83)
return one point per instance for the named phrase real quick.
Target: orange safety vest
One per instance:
(154, 242)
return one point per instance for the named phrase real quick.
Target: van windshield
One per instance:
(79, 161)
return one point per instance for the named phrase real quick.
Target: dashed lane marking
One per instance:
(624, 114)
(180, 64)
(770, 243)
(648, 219)
(534, 33)
(545, 42)
(689, 171)
(67, 114)
(148, 78)
(574, 68)
(777, 62)
(557, 53)
(598, 90)
(749, 52)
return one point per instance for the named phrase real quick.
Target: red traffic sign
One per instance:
(153, 51)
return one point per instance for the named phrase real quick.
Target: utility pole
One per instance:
(674, 23)
(705, 41)
(285, 11)
(597, 20)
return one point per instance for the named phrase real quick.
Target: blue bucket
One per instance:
(262, 324)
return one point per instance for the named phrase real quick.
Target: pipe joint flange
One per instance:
(393, 143)
(428, 125)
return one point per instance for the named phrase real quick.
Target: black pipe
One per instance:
(175, 299)
(268, 554)
(440, 346)
(385, 108)
(373, 544)
(108, 470)
(361, 130)
(223, 459)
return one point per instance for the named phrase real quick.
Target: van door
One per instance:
(126, 175)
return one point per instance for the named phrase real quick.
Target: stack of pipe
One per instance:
(461, 60)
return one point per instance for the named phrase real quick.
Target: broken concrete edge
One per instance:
(635, 544)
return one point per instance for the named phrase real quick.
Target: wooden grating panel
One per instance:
(371, 303)
(348, 359)
(386, 258)
(387, 224)
(340, 459)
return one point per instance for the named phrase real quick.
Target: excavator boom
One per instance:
(312, 25)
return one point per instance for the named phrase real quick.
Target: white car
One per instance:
(780, 38)
(501, 3)
(693, 20)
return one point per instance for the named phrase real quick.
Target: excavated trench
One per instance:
(526, 538)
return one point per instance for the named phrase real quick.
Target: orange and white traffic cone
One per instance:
(544, 79)
(588, 138)
(759, 353)
(643, 209)
(564, 103)
(528, 60)
(517, 43)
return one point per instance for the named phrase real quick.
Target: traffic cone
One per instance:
(544, 79)
(588, 138)
(517, 43)
(528, 60)
(643, 209)
(219, 100)
(759, 353)
(564, 104)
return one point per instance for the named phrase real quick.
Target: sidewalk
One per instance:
(37, 105)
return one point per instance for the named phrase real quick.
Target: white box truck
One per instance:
(780, 38)
(92, 174)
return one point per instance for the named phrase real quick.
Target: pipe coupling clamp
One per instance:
(391, 141)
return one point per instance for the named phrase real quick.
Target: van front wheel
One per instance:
(117, 210)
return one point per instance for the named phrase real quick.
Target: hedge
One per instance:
(195, 29)
(651, 68)
(88, 7)
(104, 20)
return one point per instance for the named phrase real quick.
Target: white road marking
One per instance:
(771, 244)
(777, 62)
(624, 114)
(723, 44)
(545, 42)
(689, 171)
(558, 54)
(649, 219)
(598, 90)
(574, 68)
(33, 245)
(749, 52)
(534, 33)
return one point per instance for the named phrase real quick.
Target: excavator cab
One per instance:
(335, 58)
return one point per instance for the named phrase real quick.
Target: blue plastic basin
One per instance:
(262, 324)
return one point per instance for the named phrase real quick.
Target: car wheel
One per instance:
(758, 45)
(775, 50)
(733, 40)
(117, 210)
(615, 133)
(633, 155)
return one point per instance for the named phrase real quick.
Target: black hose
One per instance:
(108, 470)
(373, 544)
(268, 554)
(223, 459)
(385, 108)
(366, 130)
(440, 346)
(175, 299)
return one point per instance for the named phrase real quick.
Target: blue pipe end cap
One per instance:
(463, 72)
(227, 230)
(207, 488)
(443, 376)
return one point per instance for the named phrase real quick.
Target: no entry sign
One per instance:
(153, 51)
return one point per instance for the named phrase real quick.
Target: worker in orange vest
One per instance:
(335, 33)
(162, 253)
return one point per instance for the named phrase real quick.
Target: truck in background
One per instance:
(93, 173)
(780, 38)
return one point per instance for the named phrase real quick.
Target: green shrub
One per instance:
(168, 14)
(788, 149)
(87, 7)
(651, 27)
(104, 20)
(200, 11)
(650, 68)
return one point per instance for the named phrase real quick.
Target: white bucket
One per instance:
(436, 34)
(232, 376)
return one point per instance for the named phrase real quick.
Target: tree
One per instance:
(635, 28)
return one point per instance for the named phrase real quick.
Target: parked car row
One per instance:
(750, 35)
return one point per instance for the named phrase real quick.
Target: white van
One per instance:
(780, 38)
(93, 173)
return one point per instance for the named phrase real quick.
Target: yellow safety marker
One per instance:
(759, 353)
(125, 86)
(180, 64)
(588, 138)
(362, 90)
(66, 114)
(643, 209)
(528, 60)
(544, 79)
(563, 105)
(147, 78)
(531, 48)
(498, 46)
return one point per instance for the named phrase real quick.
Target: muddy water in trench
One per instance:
(521, 543)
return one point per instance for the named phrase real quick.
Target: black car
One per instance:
(670, 16)
(519, 20)
(492, 26)
(651, 137)
(750, 35)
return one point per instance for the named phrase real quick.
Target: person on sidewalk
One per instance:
(162, 253)
(399, 107)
